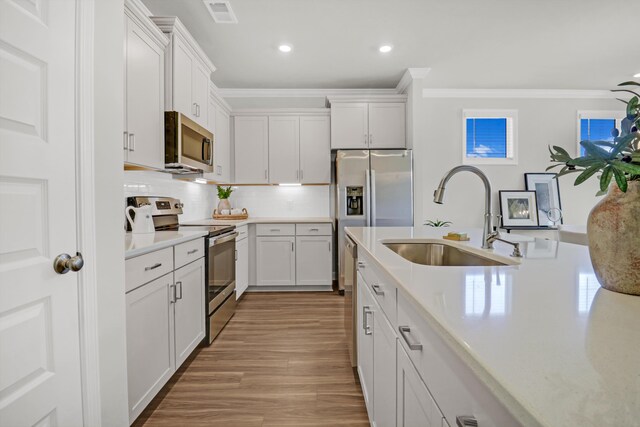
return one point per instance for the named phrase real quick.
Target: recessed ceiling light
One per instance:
(637, 75)
(385, 48)
(284, 48)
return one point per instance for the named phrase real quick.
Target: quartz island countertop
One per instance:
(554, 347)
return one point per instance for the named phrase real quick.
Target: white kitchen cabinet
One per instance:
(387, 125)
(384, 371)
(415, 406)
(314, 260)
(189, 309)
(242, 267)
(143, 139)
(218, 124)
(315, 149)
(275, 261)
(150, 341)
(284, 149)
(251, 149)
(368, 125)
(183, 64)
(200, 92)
(365, 324)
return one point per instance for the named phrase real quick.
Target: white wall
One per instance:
(541, 122)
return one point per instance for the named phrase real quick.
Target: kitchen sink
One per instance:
(440, 254)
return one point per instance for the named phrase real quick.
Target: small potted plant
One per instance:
(613, 227)
(437, 223)
(223, 195)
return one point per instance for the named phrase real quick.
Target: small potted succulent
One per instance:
(437, 223)
(223, 195)
(613, 227)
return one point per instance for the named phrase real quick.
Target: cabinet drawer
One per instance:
(243, 232)
(322, 229)
(188, 252)
(275, 229)
(382, 287)
(145, 268)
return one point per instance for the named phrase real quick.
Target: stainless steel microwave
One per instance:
(187, 144)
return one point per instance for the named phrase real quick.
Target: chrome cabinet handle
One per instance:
(301, 174)
(361, 265)
(64, 263)
(236, 255)
(173, 297)
(329, 246)
(153, 267)
(292, 247)
(365, 321)
(370, 138)
(179, 297)
(413, 345)
(274, 229)
(132, 142)
(466, 421)
(265, 174)
(365, 139)
(314, 229)
(194, 109)
(191, 252)
(125, 143)
(377, 290)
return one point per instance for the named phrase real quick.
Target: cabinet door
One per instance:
(313, 260)
(242, 267)
(200, 92)
(150, 349)
(144, 99)
(222, 147)
(415, 405)
(349, 125)
(284, 149)
(275, 261)
(251, 149)
(182, 79)
(211, 119)
(315, 150)
(365, 325)
(384, 371)
(387, 125)
(189, 309)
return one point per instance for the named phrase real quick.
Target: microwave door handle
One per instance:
(207, 159)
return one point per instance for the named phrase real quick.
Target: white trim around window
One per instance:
(617, 115)
(512, 136)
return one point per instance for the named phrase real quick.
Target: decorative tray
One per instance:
(243, 215)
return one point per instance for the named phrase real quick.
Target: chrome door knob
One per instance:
(65, 262)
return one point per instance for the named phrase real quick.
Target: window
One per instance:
(597, 126)
(489, 137)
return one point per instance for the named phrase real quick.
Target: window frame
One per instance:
(510, 115)
(598, 115)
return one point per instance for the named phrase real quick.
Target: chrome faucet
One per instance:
(516, 246)
(438, 195)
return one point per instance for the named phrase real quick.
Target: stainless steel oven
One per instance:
(221, 279)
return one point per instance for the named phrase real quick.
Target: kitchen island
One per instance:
(550, 345)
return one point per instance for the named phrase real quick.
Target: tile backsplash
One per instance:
(261, 201)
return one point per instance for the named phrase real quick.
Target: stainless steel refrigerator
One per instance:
(373, 188)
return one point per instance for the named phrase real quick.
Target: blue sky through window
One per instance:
(596, 130)
(487, 137)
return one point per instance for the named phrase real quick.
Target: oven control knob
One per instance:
(179, 205)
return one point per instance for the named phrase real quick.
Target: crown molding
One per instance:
(214, 93)
(301, 93)
(172, 25)
(139, 13)
(518, 93)
(409, 76)
(394, 97)
(281, 112)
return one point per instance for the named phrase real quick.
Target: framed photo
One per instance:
(547, 196)
(518, 208)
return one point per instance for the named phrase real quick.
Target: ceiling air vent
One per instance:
(221, 11)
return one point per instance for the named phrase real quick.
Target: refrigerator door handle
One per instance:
(367, 195)
(372, 200)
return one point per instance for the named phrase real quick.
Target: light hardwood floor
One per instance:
(281, 361)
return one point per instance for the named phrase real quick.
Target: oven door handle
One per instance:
(223, 239)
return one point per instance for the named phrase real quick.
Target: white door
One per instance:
(387, 125)
(242, 267)
(313, 260)
(284, 149)
(144, 98)
(189, 309)
(39, 336)
(365, 314)
(223, 146)
(315, 150)
(251, 142)
(182, 77)
(275, 261)
(349, 125)
(200, 92)
(384, 371)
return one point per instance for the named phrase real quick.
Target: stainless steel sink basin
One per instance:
(439, 254)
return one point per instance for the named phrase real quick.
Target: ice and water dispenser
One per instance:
(354, 201)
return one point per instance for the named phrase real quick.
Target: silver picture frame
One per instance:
(518, 208)
(547, 191)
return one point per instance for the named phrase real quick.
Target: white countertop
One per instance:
(261, 220)
(573, 234)
(140, 244)
(554, 347)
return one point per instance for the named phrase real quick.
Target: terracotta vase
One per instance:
(613, 230)
(223, 204)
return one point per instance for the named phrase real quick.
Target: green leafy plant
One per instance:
(618, 159)
(437, 223)
(224, 193)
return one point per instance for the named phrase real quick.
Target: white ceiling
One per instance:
(561, 44)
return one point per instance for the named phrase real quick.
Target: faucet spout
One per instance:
(438, 197)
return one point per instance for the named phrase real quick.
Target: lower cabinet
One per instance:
(242, 266)
(275, 261)
(314, 260)
(189, 309)
(364, 324)
(415, 406)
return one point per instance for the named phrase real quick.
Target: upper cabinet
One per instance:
(188, 72)
(284, 149)
(219, 124)
(144, 45)
(368, 125)
(251, 140)
(315, 149)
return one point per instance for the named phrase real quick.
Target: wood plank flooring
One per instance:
(281, 361)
